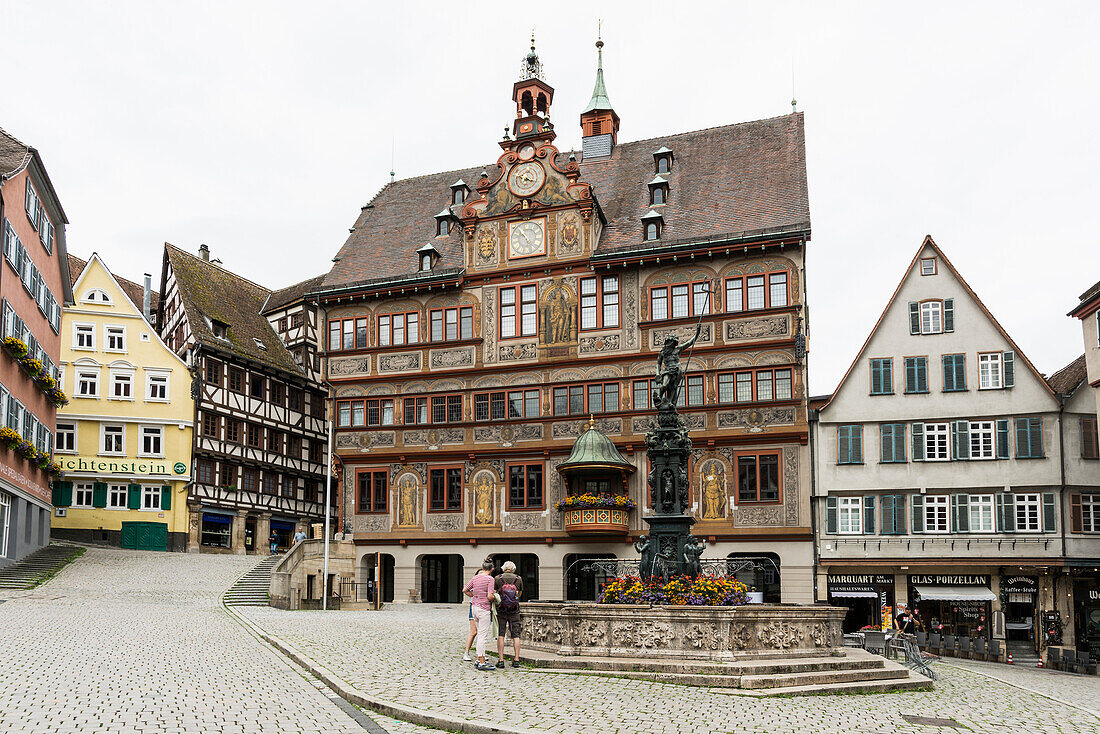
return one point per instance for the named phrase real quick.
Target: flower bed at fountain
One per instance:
(704, 591)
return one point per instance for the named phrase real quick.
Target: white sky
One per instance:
(261, 128)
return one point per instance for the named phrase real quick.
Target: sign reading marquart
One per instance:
(861, 579)
(950, 579)
(125, 466)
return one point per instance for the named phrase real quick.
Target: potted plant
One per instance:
(10, 437)
(31, 364)
(15, 347)
(599, 501)
(57, 396)
(45, 381)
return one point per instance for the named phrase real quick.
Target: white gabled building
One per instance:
(938, 466)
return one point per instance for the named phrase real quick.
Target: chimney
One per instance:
(204, 252)
(145, 297)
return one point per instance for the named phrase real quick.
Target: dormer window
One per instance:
(219, 329)
(662, 158)
(260, 344)
(651, 226)
(658, 191)
(442, 227)
(425, 261)
(657, 195)
(428, 257)
(459, 190)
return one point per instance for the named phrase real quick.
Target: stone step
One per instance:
(853, 661)
(913, 682)
(30, 571)
(788, 680)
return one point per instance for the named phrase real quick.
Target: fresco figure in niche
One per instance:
(714, 498)
(483, 501)
(557, 316)
(406, 507)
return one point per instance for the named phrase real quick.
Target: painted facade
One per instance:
(124, 440)
(940, 462)
(34, 286)
(477, 320)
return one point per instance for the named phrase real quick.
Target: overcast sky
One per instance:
(261, 128)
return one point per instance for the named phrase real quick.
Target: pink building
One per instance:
(34, 285)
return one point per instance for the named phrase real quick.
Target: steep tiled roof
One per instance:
(290, 294)
(1086, 305)
(1066, 380)
(731, 180)
(14, 155)
(135, 292)
(214, 292)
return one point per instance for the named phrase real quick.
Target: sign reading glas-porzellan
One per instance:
(123, 466)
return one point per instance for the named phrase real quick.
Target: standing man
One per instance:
(299, 536)
(509, 589)
(274, 539)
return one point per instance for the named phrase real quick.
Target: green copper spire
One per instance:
(599, 99)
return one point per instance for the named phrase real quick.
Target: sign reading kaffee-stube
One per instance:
(950, 579)
(126, 466)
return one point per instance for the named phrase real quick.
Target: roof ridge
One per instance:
(701, 130)
(196, 258)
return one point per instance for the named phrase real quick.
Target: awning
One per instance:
(281, 525)
(955, 593)
(853, 594)
(220, 519)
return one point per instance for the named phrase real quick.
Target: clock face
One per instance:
(526, 178)
(528, 238)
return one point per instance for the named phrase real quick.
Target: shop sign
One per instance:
(1020, 585)
(1094, 595)
(950, 579)
(860, 579)
(124, 466)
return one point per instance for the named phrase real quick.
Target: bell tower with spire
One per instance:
(599, 123)
(533, 97)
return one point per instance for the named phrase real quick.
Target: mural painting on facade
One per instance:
(557, 312)
(483, 499)
(712, 494)
(408, 499)
(486, 244)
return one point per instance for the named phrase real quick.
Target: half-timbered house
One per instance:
(479, 319)
(260, 440)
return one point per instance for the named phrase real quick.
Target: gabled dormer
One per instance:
(652, 225)
(662, 161)
(459, 192)
(427, 257)
(658, 191)
(443, 221)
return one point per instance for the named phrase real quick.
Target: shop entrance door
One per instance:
(145, 536)
(441, 579)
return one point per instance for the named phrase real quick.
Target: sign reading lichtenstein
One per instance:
(161, 467)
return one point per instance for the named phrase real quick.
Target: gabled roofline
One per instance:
(928, 241)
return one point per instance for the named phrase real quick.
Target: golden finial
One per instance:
(591, 422)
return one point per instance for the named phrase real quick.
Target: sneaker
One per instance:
(485, 667)
(515, 663)
(500, 663)
(467, 658)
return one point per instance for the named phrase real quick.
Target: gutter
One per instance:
(401, 281)
(675, 247)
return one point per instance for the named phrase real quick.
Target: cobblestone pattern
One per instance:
(128, 641)
(412, 655)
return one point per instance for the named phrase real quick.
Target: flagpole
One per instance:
(328, 502)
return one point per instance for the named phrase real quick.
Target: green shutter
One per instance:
(66, 494)
(887, 376)
(922, 374)
(843, 445)
(918, 442)
(1022, 450)
(1049, 524)
(948, 373)
(918, 513)
(856, 444)
(886, 442)
(1006, 512)
(134, 497)
(869, 515)
(1009, 369)
(830, 515)
(1002, 438)
(960, 513)
(960, 439)
(949, 314)
(888, 526)
(55, 494)
(99, 494)
(1035, 426)
(166, 498)
(899, 514)
(914, 317)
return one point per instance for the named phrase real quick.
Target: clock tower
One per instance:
(533, 97)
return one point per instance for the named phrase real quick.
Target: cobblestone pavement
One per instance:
(412, 655)
(129, 641)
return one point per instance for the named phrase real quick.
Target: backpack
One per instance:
(509, 597)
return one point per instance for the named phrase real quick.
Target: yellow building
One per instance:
(124, 439)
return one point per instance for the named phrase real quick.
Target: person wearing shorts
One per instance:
(508, 621)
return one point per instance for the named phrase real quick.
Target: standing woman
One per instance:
(473, 622)
(481, 592)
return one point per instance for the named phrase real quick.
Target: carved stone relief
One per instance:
(525, 521)
(442, 523)
(434, 437)
(757, 328)
(588, 633)
(595, 344)
(754, 420)
(657, 336)
(641, 425)
(349, 366)
(371, 523)
(507, 435)
(366, 440)
(781, 635)
(790, 481)
(557, 492)
(450, 358)
(695, 421)
(740, 636)
(630, 313)
(399, 362)
(642, 633)
(706, 636)
(574, 428)
(514, 352)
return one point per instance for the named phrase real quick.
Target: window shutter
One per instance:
(99, 494)
(830, 514)
(1009, 377)
(843, 445)
(166, 498)
(914, 317)
(134, 497)
(856, 444)
(960, 513)
(55, 498)
(949, 314)
(1006, 512)
(888, 527)
(1002, 439)
(1021, 438)
(869, 515)
(1049, 524)
(1075, 524)
(918, 442)
(899, 514)
(918, 513)
(1035, 425)
(960, 439)
(66, 494)
(948, 373)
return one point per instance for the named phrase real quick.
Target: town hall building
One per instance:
(480, 320)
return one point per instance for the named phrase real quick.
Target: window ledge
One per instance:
(880, 394)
